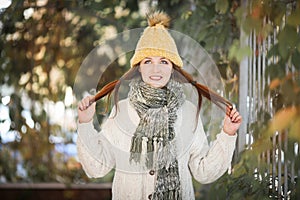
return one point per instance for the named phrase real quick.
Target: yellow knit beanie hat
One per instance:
(156, 41)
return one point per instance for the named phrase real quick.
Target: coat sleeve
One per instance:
(208, 163)
(94, 151)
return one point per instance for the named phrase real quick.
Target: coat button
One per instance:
(151, 172)
(150, 196)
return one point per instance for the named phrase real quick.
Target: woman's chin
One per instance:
(156, 84)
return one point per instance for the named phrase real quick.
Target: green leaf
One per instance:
(239, 53)
(287, 40)
(274, 51)
(239, 15)
(266, 30)
(294, 18)
(243, 52)
(222, 6)
(283, 50)
(277, 12)
(288, 36)
(296, 58)
(174, 2)
(202, 35)
(233, 49)
(276, 70)
(288, 91)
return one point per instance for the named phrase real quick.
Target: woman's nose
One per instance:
(156, 67)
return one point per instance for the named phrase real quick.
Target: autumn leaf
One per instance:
(295, 129)
(274, 83)
(256, 12)
(282, 119)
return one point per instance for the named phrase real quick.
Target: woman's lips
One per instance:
(155, 77)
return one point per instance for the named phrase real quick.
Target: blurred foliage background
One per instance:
(44, 42)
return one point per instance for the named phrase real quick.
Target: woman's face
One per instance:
(156, 71)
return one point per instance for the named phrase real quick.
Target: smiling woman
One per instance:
(155, 138)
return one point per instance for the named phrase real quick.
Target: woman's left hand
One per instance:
(232, 121)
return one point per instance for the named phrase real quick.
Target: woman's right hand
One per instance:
(85, 110)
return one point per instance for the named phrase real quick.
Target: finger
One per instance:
(84, 103)
(228, 113)
(235, 115)
(237, 119)
(233, 112)
(80, 106)
(228, 110)
(233, 119)
(87, 102)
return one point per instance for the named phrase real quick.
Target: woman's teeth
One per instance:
(155, 77)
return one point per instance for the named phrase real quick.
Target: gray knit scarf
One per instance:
(153, 142)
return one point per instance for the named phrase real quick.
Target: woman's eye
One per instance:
(164, 62)
(147, 62)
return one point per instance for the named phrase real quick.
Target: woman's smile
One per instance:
(156, 77)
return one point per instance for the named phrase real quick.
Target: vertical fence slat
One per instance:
(285, 166)
(279, 165)
(249, 95)
(243, 92)
(273, 165)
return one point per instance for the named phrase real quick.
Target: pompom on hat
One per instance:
(156, 41)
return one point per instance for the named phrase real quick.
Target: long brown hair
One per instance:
(179, 75)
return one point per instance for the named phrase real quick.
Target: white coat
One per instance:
(100, 152)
